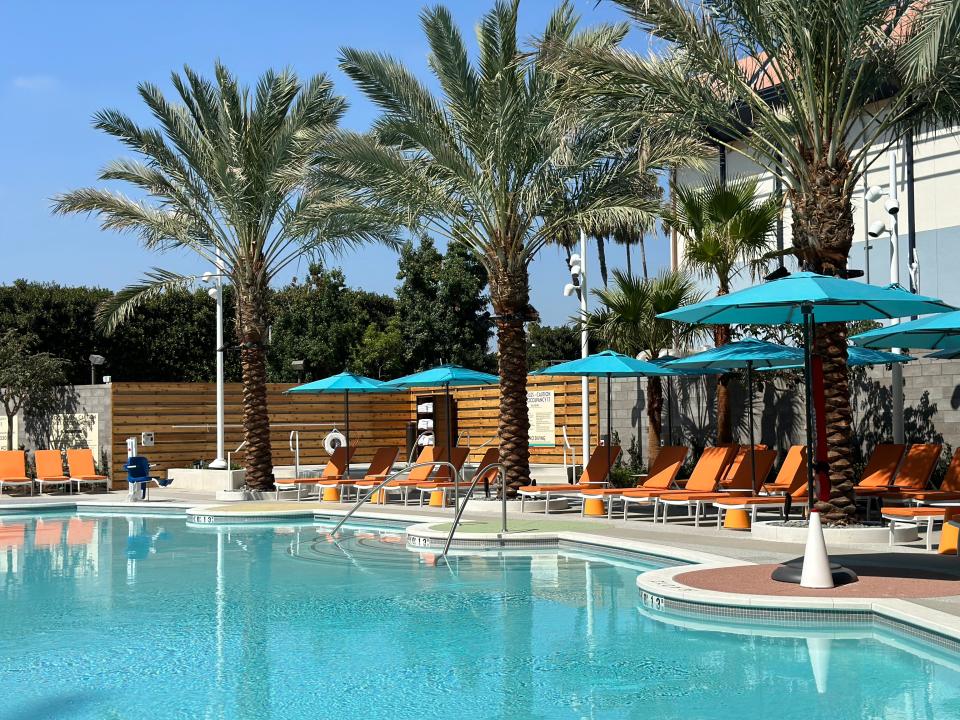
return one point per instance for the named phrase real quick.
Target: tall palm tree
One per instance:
(223, 177)
(726, 229)
(486, 163)
(810, 91)
(627, 321)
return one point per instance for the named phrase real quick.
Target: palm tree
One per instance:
(726, 228)
(223, 178)
(486, 163)
(810, 91)
(627, 322)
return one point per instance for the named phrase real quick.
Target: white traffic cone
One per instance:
(816, 565)
(819, 651)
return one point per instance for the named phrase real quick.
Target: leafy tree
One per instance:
(627, 322)
(484, 163)
(547, 344)
(814, 92)
(381, 352)
(726, 229)
(59, 319)
(322, 322)
(224, 179)
(25, 376)
(441, 307)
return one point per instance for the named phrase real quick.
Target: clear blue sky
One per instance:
(63, 61)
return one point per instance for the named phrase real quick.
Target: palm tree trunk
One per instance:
(643, 255)
(510, 295)
(602, 259)
(629, 260)
(654, 418)
(721, 336)
(252, 332)
(823, 236)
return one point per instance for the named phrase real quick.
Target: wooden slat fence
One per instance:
(183, 418)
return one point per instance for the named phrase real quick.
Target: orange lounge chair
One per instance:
(595, 475)
(443, 483)
(662, 476)
(337, 467)
(741, 480)
(792, 478)
(949, 488)
(486, 466)
(82, 470)
(13, 469)
(420, 472)
(708, 471)
(914, 473)
(49, 464)
(381, 464)
(916, 516)
(881, 468)
(792, 475)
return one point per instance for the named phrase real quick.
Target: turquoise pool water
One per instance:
(127, 618)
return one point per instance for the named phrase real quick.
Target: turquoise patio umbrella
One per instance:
(445, 376)
(937, 332)
(748, 353)
(608, 364)
(345, 383)
(807, 298)
(857, 357)
(943, 354)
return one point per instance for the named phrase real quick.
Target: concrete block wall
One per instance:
(931, 407)
(37, 432)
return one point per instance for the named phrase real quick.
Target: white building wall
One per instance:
(937, 209)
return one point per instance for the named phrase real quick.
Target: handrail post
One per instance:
(473, 485)
(503, 501)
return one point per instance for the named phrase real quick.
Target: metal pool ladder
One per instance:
(503, 503)
(408, 468)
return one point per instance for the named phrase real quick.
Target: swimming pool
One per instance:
(145, 617)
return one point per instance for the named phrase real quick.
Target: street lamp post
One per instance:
(578, 284)
(94, 361)
(876, 229)
(216, 292)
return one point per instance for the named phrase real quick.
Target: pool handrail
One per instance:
(456, 488)
(473, 484)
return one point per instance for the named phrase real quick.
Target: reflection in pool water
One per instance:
(115, 617)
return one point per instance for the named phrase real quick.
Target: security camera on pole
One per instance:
(876, 229)
(578, 285)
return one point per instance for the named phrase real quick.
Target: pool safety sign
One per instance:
(543, 426)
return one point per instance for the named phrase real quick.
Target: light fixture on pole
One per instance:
(875, 230)
(94, 361)
(216, 292)
(298, 365)
(578, 285)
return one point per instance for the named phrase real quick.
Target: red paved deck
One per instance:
(889, 582)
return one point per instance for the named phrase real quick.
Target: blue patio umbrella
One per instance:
(806, 298)
(944, 354)
(748, 353)
(938, 332)
(857, 357)
(608, 364)
(345, 383)
(445, 376)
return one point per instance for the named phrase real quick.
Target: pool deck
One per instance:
(906, 574)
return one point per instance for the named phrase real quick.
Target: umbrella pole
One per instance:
(670, 410)
(807, 309)
(609, 429)
(346, 422)
(753, 447)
